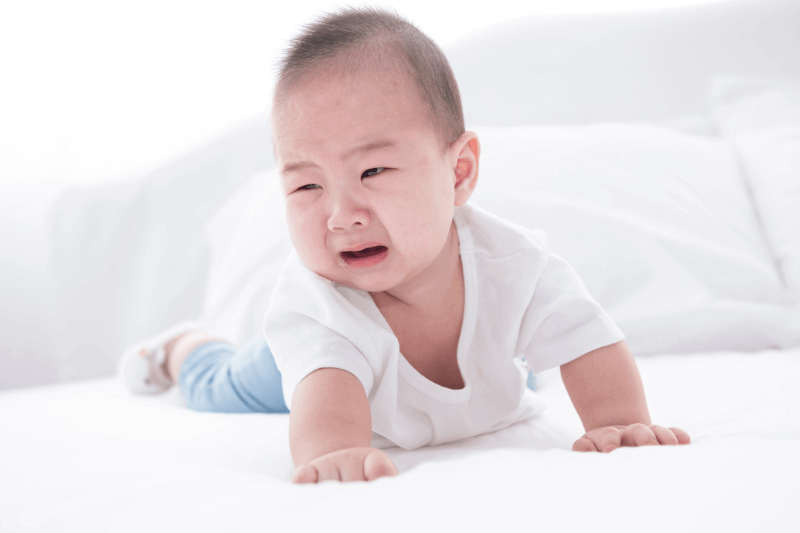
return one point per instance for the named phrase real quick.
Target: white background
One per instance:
(99, 91)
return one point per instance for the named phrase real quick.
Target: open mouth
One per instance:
(369, 256)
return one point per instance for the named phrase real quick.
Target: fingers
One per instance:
(377, 464)
(599, 440)
(681, 435)
(339, 467)
(664, 436)
(319, 470)
(328, 470)
(352, 464)
(584, 444)
(639, 435)
(610, 438)
(352, 469)
(305, 474)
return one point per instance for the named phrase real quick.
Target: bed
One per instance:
(660, 151)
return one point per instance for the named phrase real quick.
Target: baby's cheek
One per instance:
(316, 253)
(302, 237)
(294, 231)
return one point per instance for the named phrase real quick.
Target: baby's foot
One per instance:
(143, 366)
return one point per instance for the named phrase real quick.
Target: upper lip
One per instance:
(361, 246)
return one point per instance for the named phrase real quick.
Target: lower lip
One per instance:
(367, 261)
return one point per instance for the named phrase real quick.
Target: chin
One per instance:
(366, 286)
(368, 283)
(358, 284)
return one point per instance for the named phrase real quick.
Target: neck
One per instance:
(431, 288)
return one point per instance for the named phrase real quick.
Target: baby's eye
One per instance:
(308, 187)
(372, 171)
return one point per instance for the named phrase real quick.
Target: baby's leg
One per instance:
(214, 376)
(179, 348)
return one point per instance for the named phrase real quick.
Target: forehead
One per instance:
(332, 108)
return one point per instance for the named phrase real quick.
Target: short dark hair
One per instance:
(354, 36)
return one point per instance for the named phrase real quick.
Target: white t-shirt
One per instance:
(520, 300)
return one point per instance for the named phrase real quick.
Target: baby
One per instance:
(403, 315)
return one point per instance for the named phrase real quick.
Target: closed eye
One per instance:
(308, 187)
(372, 172)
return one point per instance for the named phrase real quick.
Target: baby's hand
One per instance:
(609, 438)
(350, 464)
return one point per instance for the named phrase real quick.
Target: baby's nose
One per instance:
(346, 212)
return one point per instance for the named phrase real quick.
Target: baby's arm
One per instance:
(330, 430)
(607, 391)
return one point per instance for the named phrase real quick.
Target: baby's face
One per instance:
(369, 196)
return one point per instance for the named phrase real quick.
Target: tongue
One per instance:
(367, 251)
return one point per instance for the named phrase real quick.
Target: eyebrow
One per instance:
(358, 149)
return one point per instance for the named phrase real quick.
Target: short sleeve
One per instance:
(309, 325)
(562, 320)
(302, 345)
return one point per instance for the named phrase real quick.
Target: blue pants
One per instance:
(216, 377)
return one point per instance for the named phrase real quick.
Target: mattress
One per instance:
(88, 456)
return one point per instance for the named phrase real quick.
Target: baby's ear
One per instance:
(466, 169)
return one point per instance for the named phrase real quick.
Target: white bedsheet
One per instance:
(89, 457)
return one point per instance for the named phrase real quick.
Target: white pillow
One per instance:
(761, 117)
(655, 221)
(249, 242)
